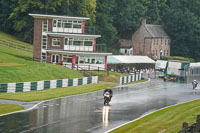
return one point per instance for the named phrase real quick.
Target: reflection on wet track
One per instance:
(86, 113)
(105, 116)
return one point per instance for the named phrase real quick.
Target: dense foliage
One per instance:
(113, 19)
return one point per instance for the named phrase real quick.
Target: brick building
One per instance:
(67, 41)
(151, 40)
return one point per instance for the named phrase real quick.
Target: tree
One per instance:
(104, 22)
(6, 7)
(128, 15)
(23, 23)
(181, 19)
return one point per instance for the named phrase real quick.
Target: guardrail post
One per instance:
(185, 127)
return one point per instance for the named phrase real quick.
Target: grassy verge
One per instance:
(17, 66)
(8, 108)
(10, 39)
(168, 120)
(112, 77)
(53, 93)
(139, 81)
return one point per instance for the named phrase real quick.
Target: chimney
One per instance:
(144, 21)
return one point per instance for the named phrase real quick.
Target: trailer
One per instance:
(175, 69)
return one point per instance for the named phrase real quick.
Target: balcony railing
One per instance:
(87, 30)
(98, 48)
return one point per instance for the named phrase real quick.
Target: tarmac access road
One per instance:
(86, 114)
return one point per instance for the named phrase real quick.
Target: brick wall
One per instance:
(49, 45)
(50, 25)
(160, 46)
(37, 39)
(143, 43)
(138, 41)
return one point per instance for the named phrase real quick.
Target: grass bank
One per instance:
(17, 66)
(104, 76)
(53, 93)
(8, 108)
(168, 120)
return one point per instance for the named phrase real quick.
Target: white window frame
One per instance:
(55, 39)
(82, 40)
(43, 25)
(44, 42)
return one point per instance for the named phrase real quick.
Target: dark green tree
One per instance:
(128, 15)
(6, 7)
(104, 22)
(182, 21)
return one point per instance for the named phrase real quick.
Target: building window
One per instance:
(43, 57)
(164, 52)
(44, 25)
(77, 24)
(67, 24)
(167, 52)
(59, 24)
(77, 43)
(153, 52)
(88, 43)
(54, 23)
(67, 58)
(154, 41)
(55, 41)
(44, 42)
(156, 52)
(161, 41)
(66, 41)
(165, 42)
(157, 42)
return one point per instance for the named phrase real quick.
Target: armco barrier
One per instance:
(48, 84)
(130, 78)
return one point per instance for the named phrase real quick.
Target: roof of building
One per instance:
(123, 59)
(125, 43)
(156, 30)
(57, 16)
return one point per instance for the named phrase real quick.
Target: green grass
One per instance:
(10, 39)
(168, 120)
(17, 66)
(112, 77)
(139, 81)
(8, 108)
(53, 93)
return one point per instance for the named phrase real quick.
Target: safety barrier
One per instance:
(130, 78)
(47, 84)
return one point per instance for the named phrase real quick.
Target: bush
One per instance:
(178, 58)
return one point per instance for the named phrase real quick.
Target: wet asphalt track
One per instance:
(86, 113)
